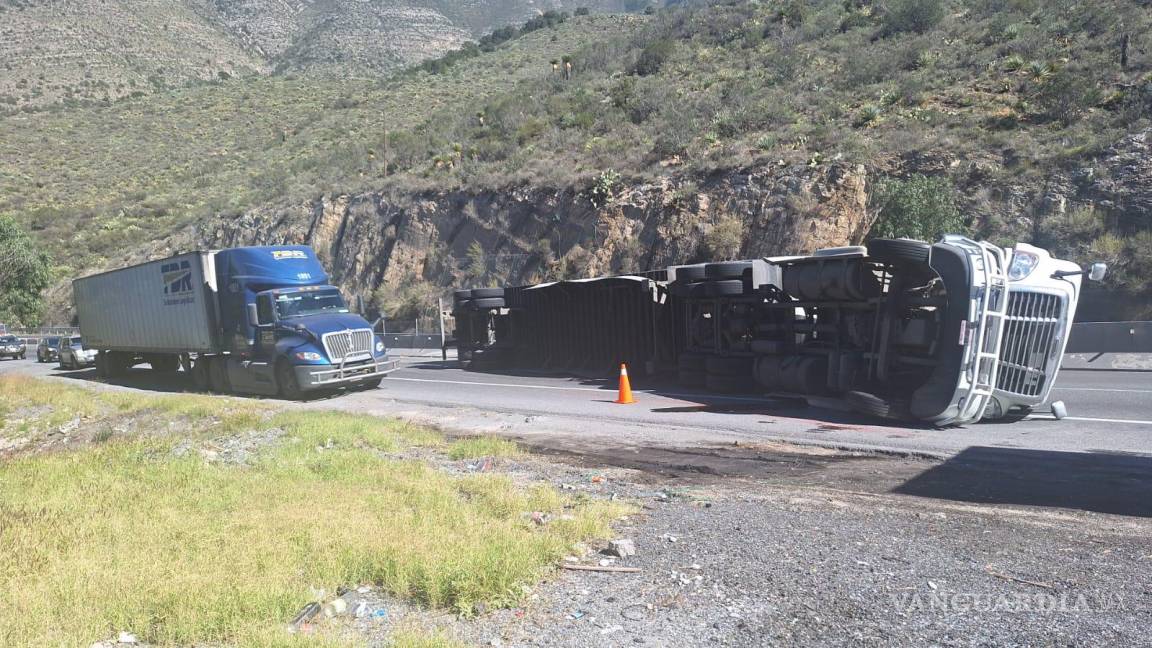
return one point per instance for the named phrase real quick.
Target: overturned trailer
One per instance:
(946, 333)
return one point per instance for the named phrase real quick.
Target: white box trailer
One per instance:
(165, 306)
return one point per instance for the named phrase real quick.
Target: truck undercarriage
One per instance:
(900, 329)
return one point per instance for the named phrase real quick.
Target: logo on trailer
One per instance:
(178, 288)
(280, 255)
(177, 277)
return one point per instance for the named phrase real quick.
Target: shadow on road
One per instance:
(704, 402)
(1102, 482)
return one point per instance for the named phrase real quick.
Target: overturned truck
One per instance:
(947, 333)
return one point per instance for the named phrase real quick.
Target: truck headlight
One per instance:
(379, 346)
(310, 356)
(1023, 263)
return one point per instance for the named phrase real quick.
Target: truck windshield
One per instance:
(300, 304)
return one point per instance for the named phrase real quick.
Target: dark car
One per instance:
(12, 347)
(49, 349)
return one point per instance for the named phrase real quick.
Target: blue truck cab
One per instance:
(262, 320)
(285, 327)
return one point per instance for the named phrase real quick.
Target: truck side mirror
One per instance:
(253, 315)
(1098, 271)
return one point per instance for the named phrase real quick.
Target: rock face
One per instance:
(534, 234)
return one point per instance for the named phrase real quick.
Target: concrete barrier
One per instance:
(1110, 337)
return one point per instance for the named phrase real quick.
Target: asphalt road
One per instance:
(1109, 412)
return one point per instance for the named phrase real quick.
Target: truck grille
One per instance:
(355, 344)
(1032, 328)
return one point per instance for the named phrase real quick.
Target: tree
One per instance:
(477, 260)
(918, 207)
(24, 274)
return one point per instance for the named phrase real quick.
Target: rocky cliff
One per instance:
(529, 234)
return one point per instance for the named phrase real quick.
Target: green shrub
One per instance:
(916, 16)
(918, 207)
(653, 57)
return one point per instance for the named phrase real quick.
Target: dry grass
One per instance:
(125, 535)
(483, 446)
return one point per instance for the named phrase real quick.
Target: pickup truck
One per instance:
(261, 320)
(947, 333)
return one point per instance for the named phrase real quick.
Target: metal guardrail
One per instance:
(1110, 337)
(412, 341)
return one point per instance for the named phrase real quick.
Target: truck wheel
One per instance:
(199, 373)
(692, 362)
(487, 293)
(371, 384)
(726, 269)
(286, 383)
(165, 363)
(768, 347)
(690, 378)
(726, 288)
(690, 274)
(218, 375)
(728, 384)
(729, 366)
(487, 302)
(461, 295)
(898, 251)
(869, 404)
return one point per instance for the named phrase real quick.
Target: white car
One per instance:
(73, 355)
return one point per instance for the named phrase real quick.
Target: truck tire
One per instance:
(768, 347)
(869, 404)
(487, 293)
(286, 384)
(690, 274)
(461, 306)
(487, 302)
(728, 366)
(371, 384)
(898, 251)
(199, 374)
(218, 375)
(689, 378)
(725, 288)
(726, 269)
(461, 295)
(849, 250)
(691, 362)
(165, 363)
(728, 384)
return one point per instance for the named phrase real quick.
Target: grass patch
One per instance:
(126, 535)
(483, 446)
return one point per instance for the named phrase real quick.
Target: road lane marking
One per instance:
(1049, 417)
(1103, 389)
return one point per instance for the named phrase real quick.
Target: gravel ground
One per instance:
(753, 562)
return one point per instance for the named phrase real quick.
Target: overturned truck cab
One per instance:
(946, 333)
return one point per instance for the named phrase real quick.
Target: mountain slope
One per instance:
(1035, 115)
(52, 51)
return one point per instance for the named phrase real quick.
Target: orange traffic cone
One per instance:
(625, 396)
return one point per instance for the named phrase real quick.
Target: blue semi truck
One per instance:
(260, 320)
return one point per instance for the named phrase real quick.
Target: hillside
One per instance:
(700, 130)
(69, 51)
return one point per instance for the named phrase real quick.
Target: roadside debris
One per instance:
(598, 568)
(621, 548)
